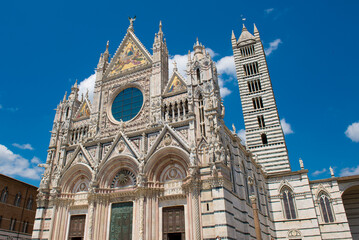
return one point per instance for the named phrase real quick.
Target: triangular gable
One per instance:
(163, 139)
(83, 112)
(80, 155)
(175, 85)
(121, 145)
(131, 55)
(202, 144)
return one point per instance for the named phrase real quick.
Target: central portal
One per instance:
(121, 221)
(173, 223)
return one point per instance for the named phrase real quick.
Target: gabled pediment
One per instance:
(83, 112)
(176, 85)
(79, 155)
(121, 146)
(168, 137)
(130, 56)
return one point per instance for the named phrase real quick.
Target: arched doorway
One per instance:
(351, 204)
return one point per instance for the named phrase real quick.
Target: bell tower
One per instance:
(264, 134)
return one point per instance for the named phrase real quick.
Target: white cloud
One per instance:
(287, 129)
(272, 46)
(226, 65)
(349, 171)
(23, 146)
(318, 172)
(35, 160)
(13, 164)
(211, 52)
(181, 61)
(352, 132)
(242, 135)
(269, 10)
(88, 84)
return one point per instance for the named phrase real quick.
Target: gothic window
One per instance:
(198, 75)
(233, 171)
(12, 224)
(29, 202)
(17, 199)
(4, 195)
(326, 208)
(288, 203)
(260, 119)
(258, 195)
(247, 51)
(254, 86)
(245, 176)
(251, 69)
(264, 138)
(257, 102)
(201, 116)
(67, 112)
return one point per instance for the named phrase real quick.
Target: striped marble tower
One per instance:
(264, 134)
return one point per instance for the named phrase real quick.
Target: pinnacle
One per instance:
(233, 36)
(244, 28)
(107, 45)
(255, 28)
(75, 85)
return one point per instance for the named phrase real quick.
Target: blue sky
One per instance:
(46, 45)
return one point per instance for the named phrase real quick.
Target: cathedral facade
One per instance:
(150, 157)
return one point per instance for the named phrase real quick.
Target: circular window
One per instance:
(127, 104)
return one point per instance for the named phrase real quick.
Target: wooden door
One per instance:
(77, 227)
(173, 223)
(121, 221)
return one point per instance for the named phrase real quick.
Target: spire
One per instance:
(160, 33)
(65, 96)
(107, 45)
(189, 56)
(256, 32)
(106, 53)
(233, 36)
(160, 27)
(233, 40)
(75, 85)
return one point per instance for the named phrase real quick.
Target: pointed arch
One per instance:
(158, 164)
(111, 170)
(325, 206)
(287, 196)
(74, 176)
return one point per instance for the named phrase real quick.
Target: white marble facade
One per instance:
(177, 152)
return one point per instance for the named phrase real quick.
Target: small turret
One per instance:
(198, 50)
